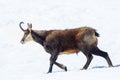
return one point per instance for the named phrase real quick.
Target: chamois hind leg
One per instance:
(98, 52)
(89, 59)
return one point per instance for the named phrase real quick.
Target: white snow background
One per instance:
(31, 62)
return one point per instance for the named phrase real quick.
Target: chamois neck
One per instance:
(38, 36)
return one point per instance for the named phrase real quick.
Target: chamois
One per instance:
(68, 41)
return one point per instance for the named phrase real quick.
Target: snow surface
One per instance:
(31, 62)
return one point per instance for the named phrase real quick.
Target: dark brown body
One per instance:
(71, 41)
(67, 41)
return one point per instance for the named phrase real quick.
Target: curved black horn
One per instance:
(21, 26)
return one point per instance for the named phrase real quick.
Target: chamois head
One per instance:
(27, 33)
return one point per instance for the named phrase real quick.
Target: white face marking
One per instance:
(27, 39)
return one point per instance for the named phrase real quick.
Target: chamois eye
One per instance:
(27, 32)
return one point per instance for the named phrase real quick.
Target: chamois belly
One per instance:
(70, 51)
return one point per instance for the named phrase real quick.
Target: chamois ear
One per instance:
(29, 26)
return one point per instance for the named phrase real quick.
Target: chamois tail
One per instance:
(97, 34)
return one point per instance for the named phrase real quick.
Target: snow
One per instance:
(31, 62)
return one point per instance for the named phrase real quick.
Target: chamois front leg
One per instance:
(53, 59)
(61, 66)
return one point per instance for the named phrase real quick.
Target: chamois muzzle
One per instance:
(22, 41)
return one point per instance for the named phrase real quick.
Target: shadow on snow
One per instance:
(117, 65)
(104, 66)
(98, 67)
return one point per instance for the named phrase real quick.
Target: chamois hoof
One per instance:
(111, 66)
(49, 72)
(65, 68)
(83, 69)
